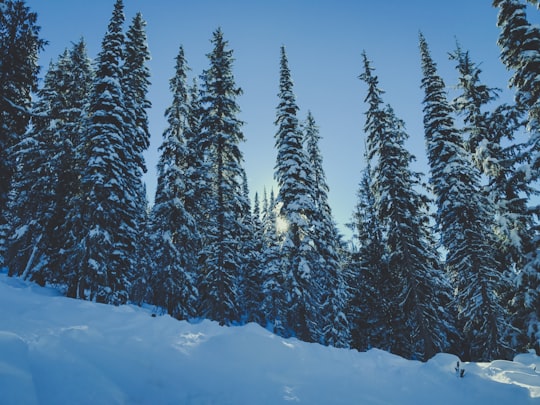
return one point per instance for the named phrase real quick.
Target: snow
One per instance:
(56, 350)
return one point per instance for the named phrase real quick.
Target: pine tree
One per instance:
(249, 287)
(370, 304)
(47, 178)
(198, 168)
(103, 222)
(507, 189)
(31, 197)
(76, 78)
(334, 326)
(418, 288)
(464, 218)
(520, 52)
(174, 234)
(19, 47)
(221, 129)
(296, 207)
(252, 285)
(274, 303)
(135, 83)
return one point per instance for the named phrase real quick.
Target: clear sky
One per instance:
(324, 42)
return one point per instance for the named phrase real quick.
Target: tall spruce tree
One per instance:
(464, 217)
(103, 222)
(43, 187)
(31, 197)
(419, 290)
(519, 41)
(296, 206)
(198, 172)
(174, 234)
(221, 259)
(507, 189)
(20, 44)
(333, 325)
(76, 81)
(135, 83)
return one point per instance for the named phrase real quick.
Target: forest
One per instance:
(447, 263)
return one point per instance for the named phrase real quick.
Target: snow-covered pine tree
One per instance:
(295, 209)
(419, 290)
(20, 44)
(135, 83)
(174, 237)
(76, 83)
(367, 271)
(252, 283)
(274, 305)
(103, 222)
(31, 197)
(198, 168)
(506, 188)
(221, 258)
(250, 275)
(333, 325)
(465, 221)
(519, 41)
(46, 181)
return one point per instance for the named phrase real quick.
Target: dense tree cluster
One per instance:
(457, 271)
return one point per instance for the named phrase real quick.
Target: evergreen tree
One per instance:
(464, 218)
(274, 303)
(221, 258)
(174, 236)
(520, 52)
(198, 167)
(76, 83)
(252, 285)
(507, 187)
(334, 326)
(370, 304)
(31, 197)
(135, 82)
(418, 289)
(250, 248)
(295, 205)
(47, 178)
(103, 222)
(19, 47)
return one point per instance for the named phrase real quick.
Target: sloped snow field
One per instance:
(55, 350)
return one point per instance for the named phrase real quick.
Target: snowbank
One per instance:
(55, 350)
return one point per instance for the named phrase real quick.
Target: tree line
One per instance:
(449, 266)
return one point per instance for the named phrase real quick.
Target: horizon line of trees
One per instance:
(74, 212)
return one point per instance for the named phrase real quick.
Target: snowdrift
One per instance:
(55, 350)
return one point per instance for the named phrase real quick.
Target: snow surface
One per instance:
(56, 350)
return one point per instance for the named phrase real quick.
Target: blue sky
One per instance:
(324, 42)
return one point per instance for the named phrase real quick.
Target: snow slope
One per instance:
(55, 350)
